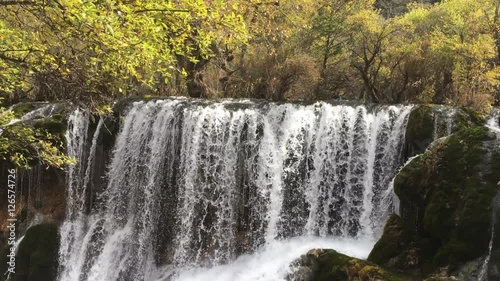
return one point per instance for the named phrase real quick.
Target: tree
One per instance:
(371, 33)
(330, 29)
(461, 46)
(21, 145)
(87, 50)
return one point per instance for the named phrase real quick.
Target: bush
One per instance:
(296, 79)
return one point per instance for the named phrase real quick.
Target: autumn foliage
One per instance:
(93, 52)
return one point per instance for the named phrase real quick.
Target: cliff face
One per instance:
(40, 207)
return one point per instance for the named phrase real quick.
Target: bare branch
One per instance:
(162, 10)
(18, 3)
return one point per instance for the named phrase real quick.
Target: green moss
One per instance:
(458, 212)
(334, 266)
(389, 245)
(420, 128)
(447, 193)
(331, 264)
(55, 125)
(421, 124)
(21, 109)
(37, 256)
(407, 178)
(471, 118)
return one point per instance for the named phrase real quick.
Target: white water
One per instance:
(272, 262)
(444, 119)
(199, 184)
(72, 248)
(493, 122)
(483, 273)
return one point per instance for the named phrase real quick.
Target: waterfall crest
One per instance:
(493, 122)
(195, 183)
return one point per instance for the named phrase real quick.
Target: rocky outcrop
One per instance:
(37, 255)
(446, 196)
(329, 265)
(40, 198)
(428, 122)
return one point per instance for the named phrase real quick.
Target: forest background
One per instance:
(93, 52)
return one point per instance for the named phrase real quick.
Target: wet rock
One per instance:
(446, 197)
(329, 265)
(37, 255)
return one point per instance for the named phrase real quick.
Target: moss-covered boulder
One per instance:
(329, 265)
(446, 196)
(389, 245)
(37, 256)
(429, 122)
(419, 129)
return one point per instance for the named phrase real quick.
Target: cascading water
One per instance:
(74, 229)
(444, 118)
(483, 273)
(194, 185)
(493, 121)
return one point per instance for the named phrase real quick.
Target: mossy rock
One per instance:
(419, 129)
(388, 246)
(446, 196)
(429, 122)
(56, 124)
(4, 251)
(109, 131)
(469, 119)
(330, 265)
(37, 256)
(21, 109)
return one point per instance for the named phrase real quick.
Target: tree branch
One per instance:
(15, 3)
(11, 59)
(161, 10)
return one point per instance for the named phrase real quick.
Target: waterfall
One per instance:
(74, 227)
(493, 122)
(483, 273)
(200, 184)
(444, 118)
